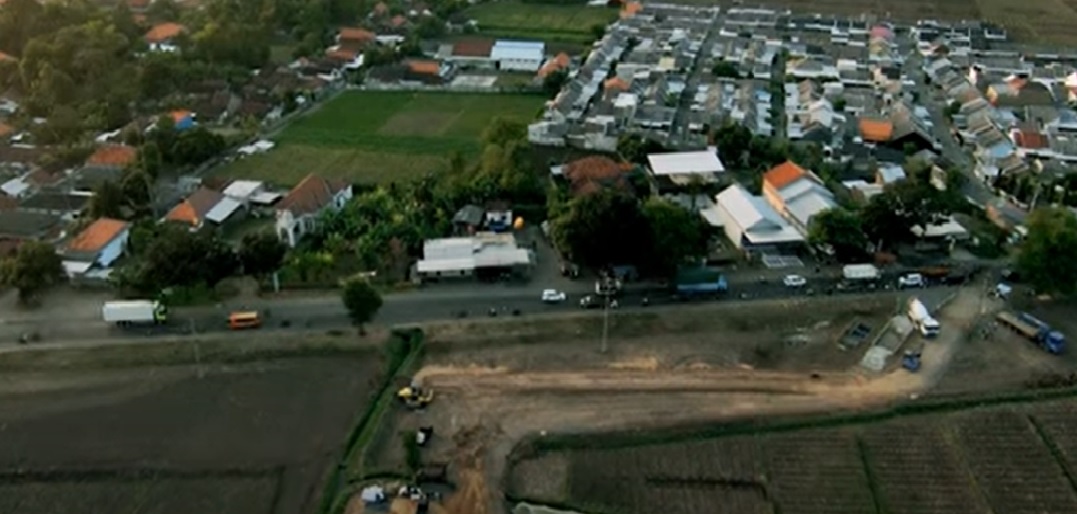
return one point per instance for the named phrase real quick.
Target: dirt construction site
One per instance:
(497, 383)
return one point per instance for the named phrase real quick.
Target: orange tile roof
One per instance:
(784, 174)
(164, 31)
(113, 155)
(356, 34)
(630, 9)
(1030, 139)
(342, 52)
(560, 62)
(138, 4)
(178, 116)
(876, 131)
(615, 84)
(94, 237)
(424, 66)
(193, 208)
(6, 130)
(6, 57)
(311, 195)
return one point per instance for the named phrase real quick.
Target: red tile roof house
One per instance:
(97, 246)
(297, 213)
(204, 205)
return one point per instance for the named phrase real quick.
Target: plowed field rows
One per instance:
(817, 472)
(1012, 466)
(918, 472)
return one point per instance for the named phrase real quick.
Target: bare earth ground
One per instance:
(252, 438)
(482, 410)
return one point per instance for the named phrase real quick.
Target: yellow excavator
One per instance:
(415, 396)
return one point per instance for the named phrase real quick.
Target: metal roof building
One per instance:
(518, 55)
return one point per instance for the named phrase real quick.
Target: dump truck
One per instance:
(1035, 330)
(921, 317)
(134, 312)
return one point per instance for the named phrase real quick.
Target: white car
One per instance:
(911, 280)
(794, 281)
(553, 296)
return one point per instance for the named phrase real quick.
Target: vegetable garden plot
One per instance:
(1012, 466)
(817, 472)
(917, 471)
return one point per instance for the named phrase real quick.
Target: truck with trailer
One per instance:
(134, 312)
(855, 276)
(699, 282)
(927, 325)
(1033, 329)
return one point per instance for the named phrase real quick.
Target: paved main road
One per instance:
(439, 302)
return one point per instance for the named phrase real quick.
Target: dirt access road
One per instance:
(483, 412)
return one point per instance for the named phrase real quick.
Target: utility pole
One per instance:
(606, 325)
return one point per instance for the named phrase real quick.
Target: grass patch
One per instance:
(380, 137)
(548, 22)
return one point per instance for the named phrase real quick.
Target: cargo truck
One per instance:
(928, 326)
(1039, 332)
(134, 312)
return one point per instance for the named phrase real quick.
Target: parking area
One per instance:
(782, 261)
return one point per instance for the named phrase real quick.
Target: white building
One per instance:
(297, 213)
(681, 167)
(750, 223)
(484, 253)
(518, 55)
(95, 248)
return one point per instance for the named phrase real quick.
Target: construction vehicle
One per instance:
(1035, 330)
(415, 396)
(928, 326)
(911, 360)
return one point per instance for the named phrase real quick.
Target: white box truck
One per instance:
(928, 326)
(860, 272)
(134, 312)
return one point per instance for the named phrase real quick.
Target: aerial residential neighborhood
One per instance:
(536, 256)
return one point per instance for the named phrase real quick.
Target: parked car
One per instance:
(911, 280)
(794, 281)
(553, 296)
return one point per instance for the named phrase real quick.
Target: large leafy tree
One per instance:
(173, 256)
(1048, 256)
(108, 201)
(677, 234)
(34, 267)
(261, 253)
(890, 216)
(604, 228)
(362, 302)
(841, 230)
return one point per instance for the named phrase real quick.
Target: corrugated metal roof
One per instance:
(684, 163)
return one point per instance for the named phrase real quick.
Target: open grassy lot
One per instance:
(255, 438)
(548, 22)
(1005, 459)
(377, 137)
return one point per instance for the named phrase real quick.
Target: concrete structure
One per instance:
(518, 55)
(751, 224)
(484, 254)
(298, 212)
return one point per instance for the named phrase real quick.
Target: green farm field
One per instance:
(1014, 459)
(570, 23)
(380, 137)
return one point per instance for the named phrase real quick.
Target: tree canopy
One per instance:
(34, 267)
(604, 228)
(361, 300)
(842, 231)
(677, 234)
(170, 255)
(1046, 258)
(261, 253)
